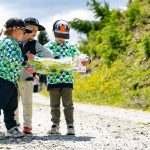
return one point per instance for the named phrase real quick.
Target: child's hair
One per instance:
(1, 32)
(8, 32)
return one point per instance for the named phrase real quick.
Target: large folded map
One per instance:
(49, 65)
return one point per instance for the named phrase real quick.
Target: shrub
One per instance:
(146, 42)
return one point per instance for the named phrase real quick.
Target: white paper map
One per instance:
(49, 65)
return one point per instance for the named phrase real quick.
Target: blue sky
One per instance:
(47, 11)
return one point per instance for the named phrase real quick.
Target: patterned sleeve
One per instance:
(11, 52)
(75, 52)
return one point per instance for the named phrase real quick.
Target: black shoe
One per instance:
(70, 130)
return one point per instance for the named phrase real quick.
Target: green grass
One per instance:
(121, 85)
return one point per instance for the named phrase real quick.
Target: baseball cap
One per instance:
(61, 29)
(16, 22)
(34, 21)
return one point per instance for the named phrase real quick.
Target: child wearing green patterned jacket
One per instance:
(10, 65)
(60, 84)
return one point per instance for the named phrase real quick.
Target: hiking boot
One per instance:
(54, 129)
(70, 130)
(27, 130)
(14, 132)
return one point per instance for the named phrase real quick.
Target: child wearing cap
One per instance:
(60, 84)
(11, 61)
(25, 84)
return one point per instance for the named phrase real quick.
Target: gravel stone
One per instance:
(97, 128)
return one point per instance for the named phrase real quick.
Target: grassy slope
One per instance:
(121, 85)
(125, 84)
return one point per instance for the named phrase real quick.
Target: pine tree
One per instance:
(101, 11)
(43, 37)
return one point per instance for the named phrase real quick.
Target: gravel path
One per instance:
(97, 128)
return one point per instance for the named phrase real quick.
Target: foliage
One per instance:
(133, 14)
(146, 43)
(81, 26)
(119, 75)
(100, 11)
(118, 42)
(43, 37)
(122, 85)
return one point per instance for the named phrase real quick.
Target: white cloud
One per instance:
(120, 7)
(7, 13)
(68, 16)
(48, 20)
(123, 7)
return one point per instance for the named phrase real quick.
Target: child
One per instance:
(36, 82)
(11, 60)
(60, 84)
(25, 84)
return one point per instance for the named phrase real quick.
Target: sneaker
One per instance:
(54, 129)
(70, 130)
(27, 130)
(14, 132)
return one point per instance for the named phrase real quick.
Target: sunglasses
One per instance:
(23, 29)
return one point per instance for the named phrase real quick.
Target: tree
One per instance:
(101, 11)
(81, 25)
(43, 37)
(130, 2)
(133, 14)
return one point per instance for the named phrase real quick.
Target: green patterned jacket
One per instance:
(64, 78)
(10, 59)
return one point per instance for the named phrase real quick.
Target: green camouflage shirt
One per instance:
(10, 59)
(62, 49)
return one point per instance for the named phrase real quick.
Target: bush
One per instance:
(133, 14)
(146, 42)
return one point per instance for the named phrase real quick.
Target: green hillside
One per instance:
(119, 43)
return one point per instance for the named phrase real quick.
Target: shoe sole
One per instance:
(27, 133)
(14, 136)
(70, 134)
(54, 133)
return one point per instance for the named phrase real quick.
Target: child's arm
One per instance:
(85, 61)
(43, 51)
(27, 58)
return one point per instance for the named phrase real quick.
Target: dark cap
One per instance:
(61, 29)
(34, 21)
(16, 22)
